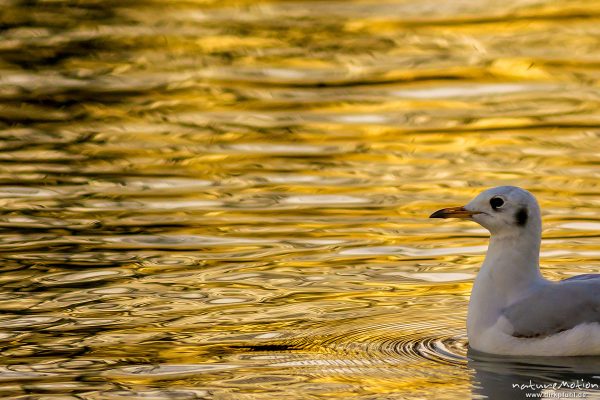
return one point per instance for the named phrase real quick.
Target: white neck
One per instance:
(510, 269)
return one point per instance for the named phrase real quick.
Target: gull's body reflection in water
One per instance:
(497, 377)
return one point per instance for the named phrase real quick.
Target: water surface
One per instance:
(229, 199)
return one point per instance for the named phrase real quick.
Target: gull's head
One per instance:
(505, 210)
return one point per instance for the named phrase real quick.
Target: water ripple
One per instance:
(233, 194)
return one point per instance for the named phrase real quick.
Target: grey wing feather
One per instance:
(582, 277)
(556, 307)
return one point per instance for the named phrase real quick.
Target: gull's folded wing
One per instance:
(556, 307)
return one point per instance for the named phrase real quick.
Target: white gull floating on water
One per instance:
(513, 309)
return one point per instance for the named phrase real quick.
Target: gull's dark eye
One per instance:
(496, 202)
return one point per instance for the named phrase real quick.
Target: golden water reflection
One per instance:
(228, 199)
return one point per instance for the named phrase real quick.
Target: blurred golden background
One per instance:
(229, 199)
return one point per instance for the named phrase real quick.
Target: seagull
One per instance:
(513, 309)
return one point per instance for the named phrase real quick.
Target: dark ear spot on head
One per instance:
(521, 217)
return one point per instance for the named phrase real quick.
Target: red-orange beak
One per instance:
(453, 212)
